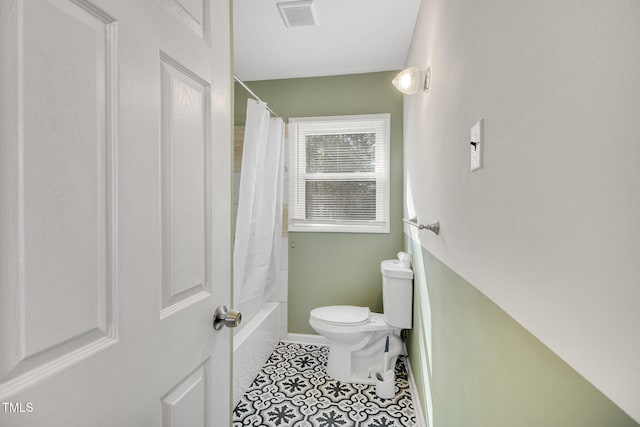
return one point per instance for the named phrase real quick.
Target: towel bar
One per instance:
(435, 226)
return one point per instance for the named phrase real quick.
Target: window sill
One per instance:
(338, 228)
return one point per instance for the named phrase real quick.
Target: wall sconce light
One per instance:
(410, 79)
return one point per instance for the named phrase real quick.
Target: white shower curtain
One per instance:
(256, 261)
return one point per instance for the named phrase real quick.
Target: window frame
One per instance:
(362, 123)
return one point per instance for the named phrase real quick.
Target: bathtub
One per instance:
(254, 342)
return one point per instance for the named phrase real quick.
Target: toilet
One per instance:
(357, 337)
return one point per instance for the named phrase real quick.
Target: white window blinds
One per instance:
(339, 173)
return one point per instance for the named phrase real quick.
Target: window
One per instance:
(339, 173)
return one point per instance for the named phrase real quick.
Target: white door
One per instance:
(115, 245)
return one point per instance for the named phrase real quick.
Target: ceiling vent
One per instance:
(298, 13)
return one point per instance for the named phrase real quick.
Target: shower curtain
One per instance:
(256, 262)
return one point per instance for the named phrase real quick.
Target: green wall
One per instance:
(476, 366)
(337, 268)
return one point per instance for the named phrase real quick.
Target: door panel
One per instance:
(186, 404)
(194, 14)
(60, 204)
(65, 176)
(186, 116)
(115, 154)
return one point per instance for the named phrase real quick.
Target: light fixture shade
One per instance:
(408, 80)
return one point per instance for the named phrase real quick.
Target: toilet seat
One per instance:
(341, 315)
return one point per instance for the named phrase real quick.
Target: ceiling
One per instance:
(353, 36)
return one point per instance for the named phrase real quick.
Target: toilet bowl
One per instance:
(356, 347)
(357, 337)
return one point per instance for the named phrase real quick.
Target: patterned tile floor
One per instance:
(292, 389)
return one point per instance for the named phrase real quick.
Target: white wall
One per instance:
(549, 229)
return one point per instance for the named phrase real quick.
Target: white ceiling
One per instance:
(353, 36)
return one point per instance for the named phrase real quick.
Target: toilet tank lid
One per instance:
(341, 314)
(394, 268)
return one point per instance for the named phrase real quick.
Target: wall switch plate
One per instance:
(476, 146)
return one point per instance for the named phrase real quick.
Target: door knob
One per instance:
(223, 317)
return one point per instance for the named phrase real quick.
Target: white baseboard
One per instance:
(417, 405)
(306, 339)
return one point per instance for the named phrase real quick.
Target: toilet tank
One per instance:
(397, 291)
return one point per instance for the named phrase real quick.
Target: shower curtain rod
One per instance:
(253, 94)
